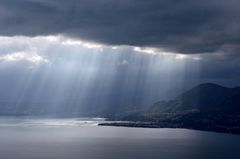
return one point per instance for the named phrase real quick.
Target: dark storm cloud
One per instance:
(185, 26)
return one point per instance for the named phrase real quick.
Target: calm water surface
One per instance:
(81, 138)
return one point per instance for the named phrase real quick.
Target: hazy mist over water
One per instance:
(82, 139)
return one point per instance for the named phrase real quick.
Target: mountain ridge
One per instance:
(206, 97)
(208, 107)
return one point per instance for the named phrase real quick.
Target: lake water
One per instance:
(81, 138)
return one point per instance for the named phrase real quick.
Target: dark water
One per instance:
(82, 139)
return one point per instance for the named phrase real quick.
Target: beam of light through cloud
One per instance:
(91, 56)
(80, 71)
(86, 76)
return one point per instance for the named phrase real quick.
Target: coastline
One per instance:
(232, 130)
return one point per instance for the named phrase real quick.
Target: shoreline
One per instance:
(164, 125)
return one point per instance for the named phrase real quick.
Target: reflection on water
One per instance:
(33, 121)
(79, 138)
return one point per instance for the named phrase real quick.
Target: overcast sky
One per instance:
(128, 51)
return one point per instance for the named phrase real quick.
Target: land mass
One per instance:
(208, 106)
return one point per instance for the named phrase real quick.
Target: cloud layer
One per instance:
(186, 26)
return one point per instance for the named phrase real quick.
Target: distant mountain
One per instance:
(208, 106)
(207, 97)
